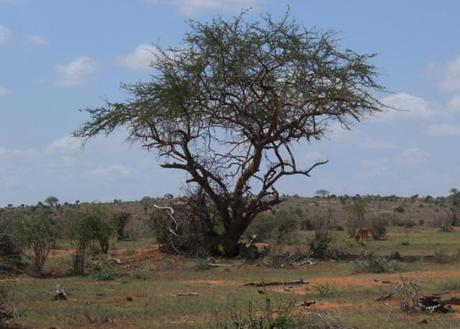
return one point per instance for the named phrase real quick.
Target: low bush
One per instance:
(102, 273)
(373, 264)
(378, 227)
(320, 245)
(409, 290)
(202, 264)
(10, 256)
(265, 317)
(441, 256)
(5, 312)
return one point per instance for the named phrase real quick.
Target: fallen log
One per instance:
(384, 297)
(186, 294)
(274, 283)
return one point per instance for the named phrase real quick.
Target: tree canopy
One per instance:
(229, 105)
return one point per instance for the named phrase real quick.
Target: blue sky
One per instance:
(57, 57)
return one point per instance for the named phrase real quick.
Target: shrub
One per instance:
(441, 256)
(10, 256)
(5, 313)
(202, 264)
(410, 295)
(378, 227)
(102, 273)
(373, 264)
(265, 317)
(399, 209)
(325, 290)
(321, 243)
(276, 227)
(449, 285)
(94, 224)
(40, 232)
(121, 219)
(356, 215)
(445, 224)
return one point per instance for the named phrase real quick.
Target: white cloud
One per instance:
(336, 130)
(63, 144)
(75, 72)
(451, 75)
(443, 130)
(193, 7)
(37, 40)
(403, 106)
(374, 167)
(113, 170)
(370, 144)
(4, 91)
(4, 34)
(141, 58)
(414, 156)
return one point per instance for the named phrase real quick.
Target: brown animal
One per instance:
(361, 235)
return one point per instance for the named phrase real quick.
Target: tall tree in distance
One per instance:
(228, 107)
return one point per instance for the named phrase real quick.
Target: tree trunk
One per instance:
(230, 247)
(104, 244)
(230, 239)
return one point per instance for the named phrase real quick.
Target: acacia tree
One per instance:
(229, 105)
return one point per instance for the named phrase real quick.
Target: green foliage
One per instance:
(39, 232)
(374, 264)
(399, 209)
(5, 312)
(378, 227)
(253, 88)
(10, 256)
(326, 290)
(94, 224)
(276, 227)
(202, 264)
(321, 243)
(442, 256)
(121, 219)
(102, 273)
(356, 215)
(265, 317)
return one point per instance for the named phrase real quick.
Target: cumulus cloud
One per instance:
(63, 168)
(404, 106)
(370, 144)
(37, 40)
(4, 34)
(414, 156)
(141, 58)
(66, 143)
(451, 75)
(193, 7)
(75, 72)
(4, 91)
(113, 170)
(442, 130)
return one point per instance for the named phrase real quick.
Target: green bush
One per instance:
(10, 256)
(373, 264)
(202, 264)
(276, 227)
(321, 243)
(378, 227)
(441, 256)
(5, 312)
(39, 232)
(102, 273)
